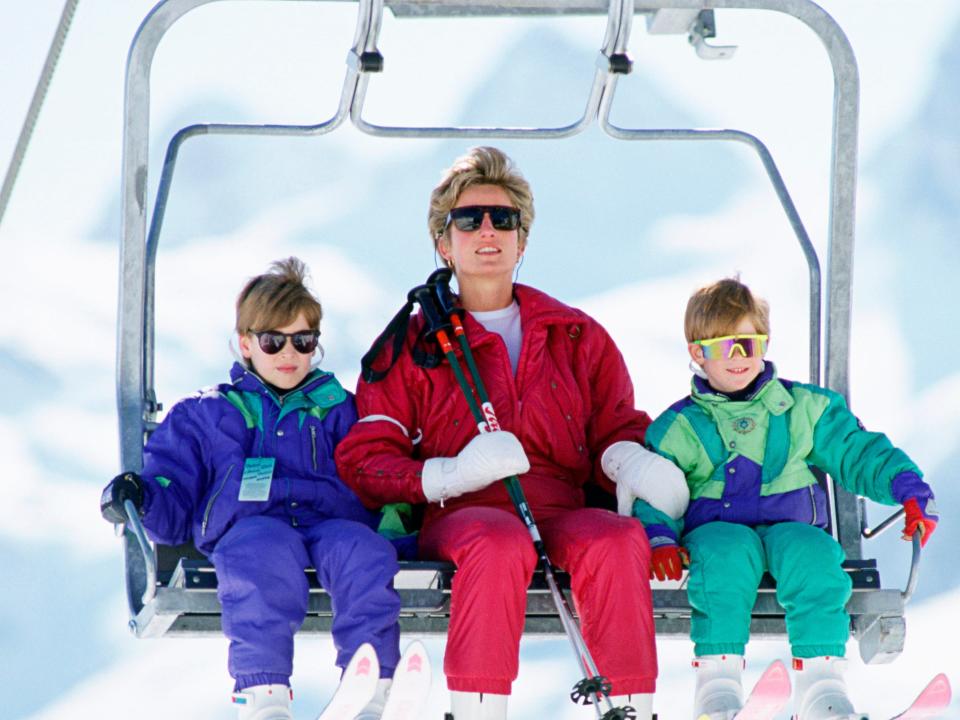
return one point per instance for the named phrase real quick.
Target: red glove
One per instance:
(921, 514)
(668, 561)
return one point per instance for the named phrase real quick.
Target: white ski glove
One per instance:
(641, 474)
(487, 458)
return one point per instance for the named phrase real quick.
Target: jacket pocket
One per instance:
(212, 500)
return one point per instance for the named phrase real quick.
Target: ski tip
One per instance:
(941, 685)
(777, 669)
(415, 658)
(364, 662)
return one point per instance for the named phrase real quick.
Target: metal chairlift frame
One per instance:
(171, 590)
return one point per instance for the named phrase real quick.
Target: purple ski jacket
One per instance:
(194, 463)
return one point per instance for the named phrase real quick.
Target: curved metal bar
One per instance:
(615, 20)
(917, 546)
(914, 576)
(148, 556)
(135, 341)
(163, 196)
(868, 533)
(786, 202)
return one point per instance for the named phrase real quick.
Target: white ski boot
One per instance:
(478, 706)
(263, 702)
(374, 709)
(819, 692)
(719, 691)
(641, 702)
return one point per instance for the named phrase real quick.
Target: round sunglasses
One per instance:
(273, 341)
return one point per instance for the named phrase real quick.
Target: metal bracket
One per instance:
(621, 63)
(881, 638)
(706, 27)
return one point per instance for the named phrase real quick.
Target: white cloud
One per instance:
(41, 509)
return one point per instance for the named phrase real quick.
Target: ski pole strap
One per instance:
(396, 331)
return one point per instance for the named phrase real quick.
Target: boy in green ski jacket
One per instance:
(746, 441)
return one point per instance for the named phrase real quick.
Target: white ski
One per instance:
(411, 685)
(357, 686)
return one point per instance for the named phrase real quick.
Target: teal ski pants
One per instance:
(726, 563)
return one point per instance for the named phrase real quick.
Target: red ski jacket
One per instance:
(571, 398)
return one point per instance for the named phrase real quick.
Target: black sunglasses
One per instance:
(272, 341)
(470, 217)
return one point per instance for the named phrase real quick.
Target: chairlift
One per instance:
(172, 590)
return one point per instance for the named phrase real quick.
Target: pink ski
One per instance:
(931, 702)
(769, 695)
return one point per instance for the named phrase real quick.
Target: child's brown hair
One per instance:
(715, 310)
(274, 299)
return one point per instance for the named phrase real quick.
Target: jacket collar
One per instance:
(537, 309)
(320, 387)
(768, 390)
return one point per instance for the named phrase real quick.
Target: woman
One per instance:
(565, 402)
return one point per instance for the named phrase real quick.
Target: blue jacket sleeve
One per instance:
(175, 475)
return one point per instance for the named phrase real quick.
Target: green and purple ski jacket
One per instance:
(752, 462)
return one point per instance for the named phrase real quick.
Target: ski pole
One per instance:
(436, 302)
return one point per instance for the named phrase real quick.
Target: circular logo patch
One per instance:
(744, 425)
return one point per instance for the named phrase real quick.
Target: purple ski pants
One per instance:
(263, 591)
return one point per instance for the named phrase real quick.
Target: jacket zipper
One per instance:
(313, 444)
(206, 512)
(813, 504)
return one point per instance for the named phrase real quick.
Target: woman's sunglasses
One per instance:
(271, 341)
(723, 348)
(470, 217)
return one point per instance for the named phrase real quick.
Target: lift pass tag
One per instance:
(257, 476)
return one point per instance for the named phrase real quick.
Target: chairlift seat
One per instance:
(186, 603)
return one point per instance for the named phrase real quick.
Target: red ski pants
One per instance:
(608, 559)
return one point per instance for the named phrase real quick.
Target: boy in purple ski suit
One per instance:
(245, 471)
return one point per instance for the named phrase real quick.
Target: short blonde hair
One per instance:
(717, 309)
(480, 166)
(274, 299)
